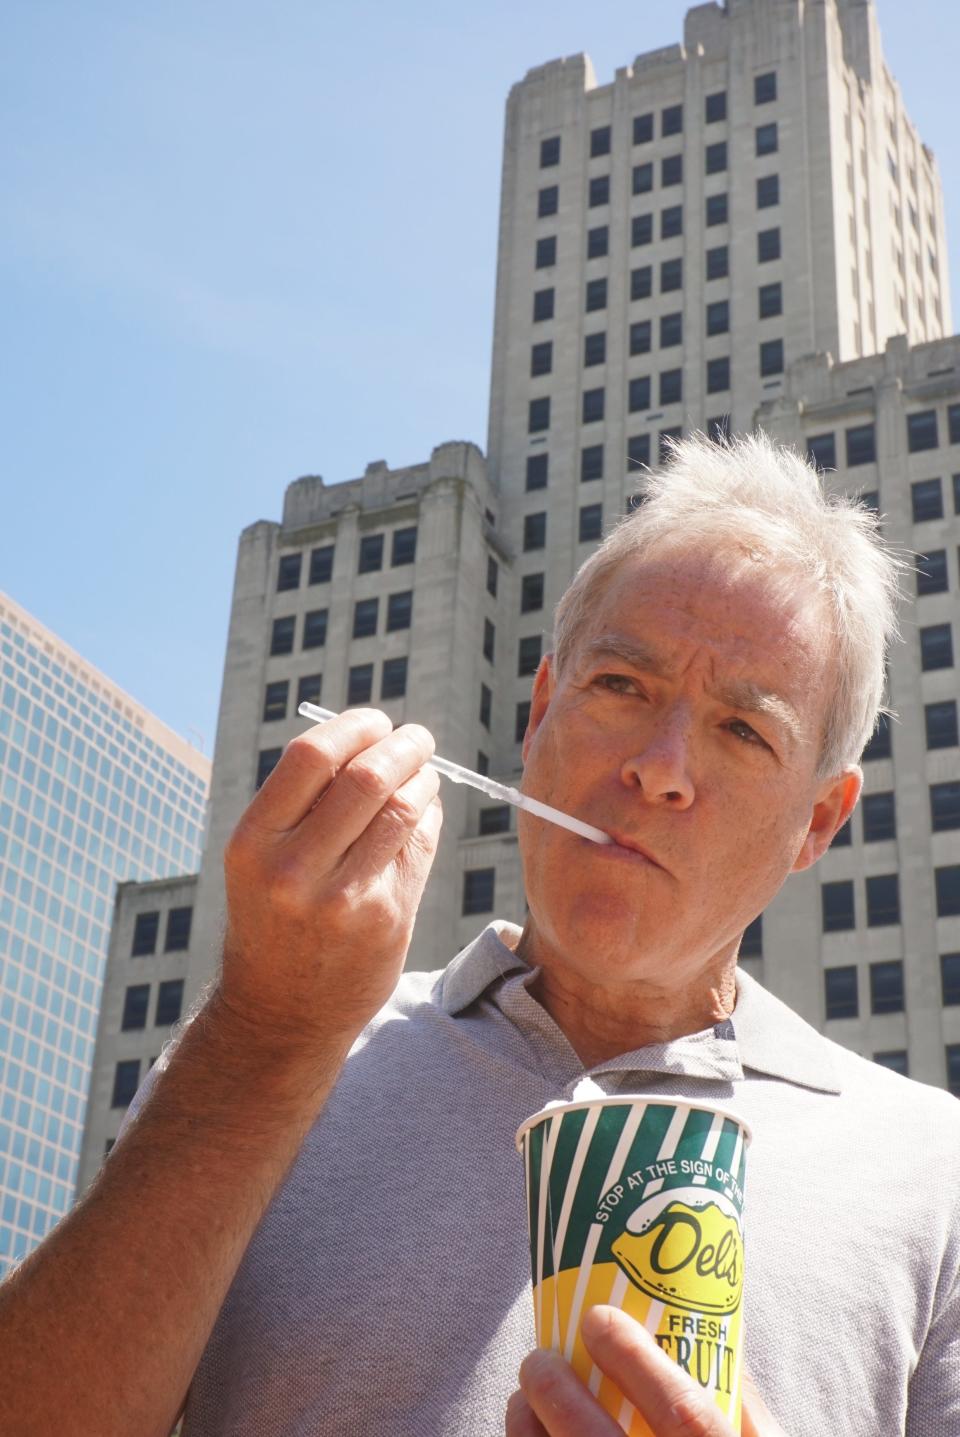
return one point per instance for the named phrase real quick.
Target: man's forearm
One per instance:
(102, 1327)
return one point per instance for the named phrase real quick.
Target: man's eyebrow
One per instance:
(740, 694)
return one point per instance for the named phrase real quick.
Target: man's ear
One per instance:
(540, 696)
(837, 800)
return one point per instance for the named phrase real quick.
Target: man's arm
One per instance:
(101, 1328)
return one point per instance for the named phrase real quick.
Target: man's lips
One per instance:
(622, 840)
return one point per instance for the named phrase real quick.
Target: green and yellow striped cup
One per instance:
(640, 1204)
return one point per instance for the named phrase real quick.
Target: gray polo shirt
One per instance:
(387, 1289)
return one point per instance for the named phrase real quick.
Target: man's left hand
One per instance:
(553, 1402)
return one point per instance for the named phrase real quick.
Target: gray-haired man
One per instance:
(315, 1222)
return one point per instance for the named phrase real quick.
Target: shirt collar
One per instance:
(768, 1037)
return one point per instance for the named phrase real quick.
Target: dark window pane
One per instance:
(275, 701)
(952, 1052)
(404, 549)
(399, 610)
(948, 890)
(482, 764)
(495, 820)
(822, 451)
(936, 647)
(861, 445)
(593, 400)
(641, 229)
(529, 650)
(771, 357)
(136, 1000)
(521, 721)
(941, 723)
(715, 107)
(641, 282)
(315, 629)
(671, 386)
(489, 639)
(536, 471)
(596, 294)
(600, 190)
(837, 902)
(543, 304)
(950, 978)
(718, 428)
(869, 499)
(768, 191)
(953, 423)
(879, 817)
(541, 359)
(671, 329)
(639, 394)
(642, 178)
(671, 170)
(365, 614)
(360, 684)
(539, 415)
(671, 120)
(371, 554)
(550, 152)
(642, 129)
(393, 679)
(486, 702)
(770, 298)
(640, 337)
(671, 275)
(716, 210)
(768, 245)
(591, 523)
(932, 576)
(843, 838)
(267, 760)
(493, 570)
(883, 900)
(591, 462)
(751, 944)
(598, 242)
(126, 1080)
(169, 1003)
(546, 253)
(716, 158)
(638, 451)
(717, 262)
(671, 221)
(145, 928)
(927, 500)
(534, 531)
(718, 375)
(288, 574)
(922, 430)
(309, 689)
(840, 985)
(718, 317)
(531, 593)
(944, 806)
(478, 885)
(178, 930)
(548, 200)
(766, 137)
(765, 88)
(281, 639)
(879, 746)
(321, 565)
(896, 1061)
(674, 431)
(600, 141)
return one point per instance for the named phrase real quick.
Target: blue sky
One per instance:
(242, 243)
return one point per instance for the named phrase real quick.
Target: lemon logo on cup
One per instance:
(684, 1247)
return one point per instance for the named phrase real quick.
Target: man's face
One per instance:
(688, 721)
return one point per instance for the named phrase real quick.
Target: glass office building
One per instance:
(93, 791)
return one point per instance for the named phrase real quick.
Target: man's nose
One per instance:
(661, 766)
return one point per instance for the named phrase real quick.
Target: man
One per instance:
(315, 1222)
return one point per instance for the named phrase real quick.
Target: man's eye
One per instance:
(613, 683)
(751, 736)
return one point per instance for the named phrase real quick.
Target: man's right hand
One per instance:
(324, 875)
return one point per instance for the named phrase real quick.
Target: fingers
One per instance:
(521, 1419)
(309, 764)
(756, 1418)
(398, 821)
(560, 1401)
(670, 1401)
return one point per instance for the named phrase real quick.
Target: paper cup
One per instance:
(639, 1204)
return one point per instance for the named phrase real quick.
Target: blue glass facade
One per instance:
(87, 799)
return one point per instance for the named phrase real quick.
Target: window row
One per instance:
(926, 499)
(922, 433)
(403, 550)
(838, 909)
(360, 686)
(637, 456)
(277, 696)
(886, 987)
(137, 1002)
(146, 929)
(878, 810)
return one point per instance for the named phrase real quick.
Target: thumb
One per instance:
(756, 1418)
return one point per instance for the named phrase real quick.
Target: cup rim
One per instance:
(628, 1100)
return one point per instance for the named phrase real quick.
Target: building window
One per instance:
(861, 445)
(178, 930)
(932, 576)
(952, 1052)
(640, 337)
(766, 139)
(495, 820)
(671, 329)
(837, 903)
(145, 928)
(771, 357)
(639, 394)
(922, 431)
(953, 423)
(883, 900)
(529, 650)
(642, 178)
(948, 890)
(393, 679)
(267, 760)
(716, 157)
(638, 451)
(546, 255)
(936, 647)
(399, 610)
(126, 1080)
(594, 349)
(521, 720)
(371, 554)
(169, 1003)
(843, 837)
(927, 500)
(136, 1001)
(598, 242)
(275, 701)
(671, 222)
(591, 462)
(765, 88)
(542, 304)
(599, 190)
(950, 979)
(541, 359)
(534, 532)
(671, 170)
(715, 107)
(360, 684)
(716, 210)
(493, 575)
(288, 574)
(822, 451)
(718, 263)
(478, 887)
(941, 724)
(641, 230)
(671, 386)
(281, 638)
(489, 639)
(596, 294)
(718, 429)
(944, 806)
(321, 565)
(309, 689)
(593, 400)
(404, 550)
(600, 142)
(550, 152)
(770, 300)
(879, 817)
(548, 201)
(896, 1061)
(591, 523)
(531, 593)
(664, 439)
(671, 120)
(539, 415)
(365, 614)
(718, 375)
(869, 499)
(718, 317)
(768, 191)
(885, 987)
(486, 702)
(671, 275)
(641, 282)
(315, 629)
(879, 745)
(536, 474)
(751, 944)
(643, 129)
(840, 985)
(768, 245)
